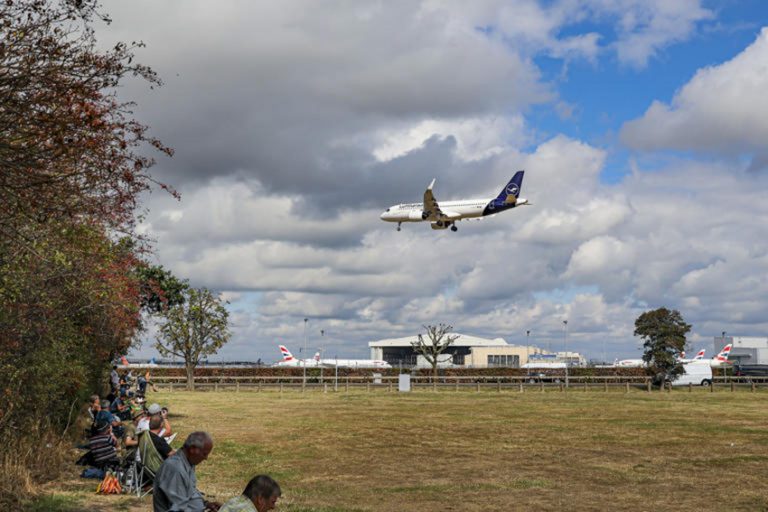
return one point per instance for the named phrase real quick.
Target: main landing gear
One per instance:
(454, 228)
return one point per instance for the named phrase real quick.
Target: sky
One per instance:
(642, 126)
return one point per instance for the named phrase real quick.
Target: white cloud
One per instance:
(723, 108)
(476, 139)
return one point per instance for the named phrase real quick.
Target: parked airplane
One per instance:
(290, 361)
(354, 363)
(639, 363)
(445, 215)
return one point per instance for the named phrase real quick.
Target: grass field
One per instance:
(472, 451)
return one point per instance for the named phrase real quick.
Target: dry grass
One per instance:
(479, 451)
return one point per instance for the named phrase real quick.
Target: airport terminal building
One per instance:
(468, 351)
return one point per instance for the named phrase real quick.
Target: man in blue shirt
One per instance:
(175, 487)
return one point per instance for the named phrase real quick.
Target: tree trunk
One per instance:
(190, 377)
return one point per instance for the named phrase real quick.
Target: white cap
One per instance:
(154, 409)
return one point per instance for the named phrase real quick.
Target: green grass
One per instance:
(476, 451)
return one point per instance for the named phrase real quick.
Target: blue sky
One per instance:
(641, 125)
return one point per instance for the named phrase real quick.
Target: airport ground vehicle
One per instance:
(697, 373)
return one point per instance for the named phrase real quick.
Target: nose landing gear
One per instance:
(398, 226)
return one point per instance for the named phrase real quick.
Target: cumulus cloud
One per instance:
(293, 140)
(722, 109)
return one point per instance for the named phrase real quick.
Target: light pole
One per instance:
(565, 343)
(527, 346)
(320, 362)
(304, 359)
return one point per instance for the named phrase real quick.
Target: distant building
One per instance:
(746, 349)
(467, 351)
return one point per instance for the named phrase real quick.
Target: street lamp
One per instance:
(304, 359)
(527, 346)
(565, 343)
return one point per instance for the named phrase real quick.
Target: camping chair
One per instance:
(142, 469)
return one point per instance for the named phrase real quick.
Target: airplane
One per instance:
(445, 215)
(290, 361)
(639, 363)
(721, 359)
(354, 363)
(125, 364)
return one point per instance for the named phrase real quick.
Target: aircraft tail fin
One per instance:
(287, 356)
(511, 191)
(124, 360)
(723, 355)
(700, 355)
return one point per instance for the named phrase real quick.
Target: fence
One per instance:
(455, 383)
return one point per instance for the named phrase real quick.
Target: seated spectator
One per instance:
(139, 424)
(94, 406)
(175, 485)
(102, 446)
(162, 447)
(119, 406)
(260, 495)
(162, 412)
(104, 416)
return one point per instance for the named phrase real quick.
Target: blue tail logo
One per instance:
(512, 191)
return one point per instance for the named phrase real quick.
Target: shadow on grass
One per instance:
(54, 503)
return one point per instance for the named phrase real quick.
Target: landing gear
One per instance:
(398, 226)
(454, 228)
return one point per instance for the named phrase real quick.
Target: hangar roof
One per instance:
(463, 340)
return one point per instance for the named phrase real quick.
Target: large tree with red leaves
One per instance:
(73, 163)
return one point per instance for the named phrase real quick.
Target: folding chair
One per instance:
(142, 469)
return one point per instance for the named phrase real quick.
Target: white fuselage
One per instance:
(355, 363)
(298, 363)
(454, 210)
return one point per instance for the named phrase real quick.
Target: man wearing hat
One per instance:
(103, 445)
(139, 424)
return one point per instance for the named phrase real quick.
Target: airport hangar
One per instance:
(467, 351)
(746, 350)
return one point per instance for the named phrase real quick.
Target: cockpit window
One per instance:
(387, 209)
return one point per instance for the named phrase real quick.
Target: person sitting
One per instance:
(161, 445)
(104, 416)
(102, 446)
(94, 406)
(119, 406)
(162, 413)
(260, 495)
(176, 484)
(139, 424)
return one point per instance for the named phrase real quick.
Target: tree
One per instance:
(73, 165)
(160, 289)
(663, 333)
(194, 329)
(438, 341)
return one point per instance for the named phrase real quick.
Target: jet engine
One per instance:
(418, 215)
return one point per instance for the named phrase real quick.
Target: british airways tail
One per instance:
(287, 356)
(511, 191)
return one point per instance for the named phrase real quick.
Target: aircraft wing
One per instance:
(431, 208)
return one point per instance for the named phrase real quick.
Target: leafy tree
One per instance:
(663, 332)
(73, 163)
(160, 289)
(194, 329)
(438, 340)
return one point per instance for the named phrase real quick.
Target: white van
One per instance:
(697, 373)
